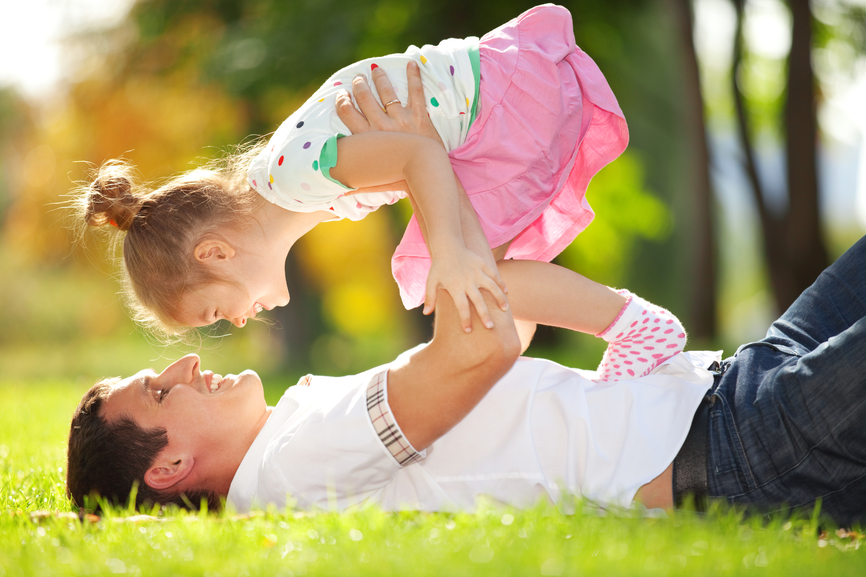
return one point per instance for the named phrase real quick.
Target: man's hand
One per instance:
(411, 118)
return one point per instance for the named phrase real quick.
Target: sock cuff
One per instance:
(628, 314)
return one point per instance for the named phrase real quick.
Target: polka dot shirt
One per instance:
(294, 170)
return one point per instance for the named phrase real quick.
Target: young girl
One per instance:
(526, 119)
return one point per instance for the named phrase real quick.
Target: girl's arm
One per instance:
(409, 119)
(375, 158)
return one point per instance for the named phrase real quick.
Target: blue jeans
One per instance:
(787, 422)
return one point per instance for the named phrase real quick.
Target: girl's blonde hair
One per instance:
(159, 226)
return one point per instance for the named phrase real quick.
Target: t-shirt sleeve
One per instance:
(343, 452)
(294, 171)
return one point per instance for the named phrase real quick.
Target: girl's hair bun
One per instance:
(110, 198)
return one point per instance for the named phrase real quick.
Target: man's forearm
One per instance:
(441, 383)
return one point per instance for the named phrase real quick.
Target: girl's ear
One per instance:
(168, 471)
(213, 250)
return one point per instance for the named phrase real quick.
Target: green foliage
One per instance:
(626, 213)
(40, 535)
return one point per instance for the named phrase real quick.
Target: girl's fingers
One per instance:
(492, 281)
(384, 88)
(462, 304)
(350, 116)
(481, 308)
(501, 282)
(495, 291)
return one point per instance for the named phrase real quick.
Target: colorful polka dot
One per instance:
(305, 186)
(423, 60)
(300, 124)
(280, 161)
(307, 145)
(358, 205)
(467, 103)
(315, 165)
(434, 102)
(321, 99)
(374, 66)
(254, 183)
(271, 178)
(338, 83)
(452, 70)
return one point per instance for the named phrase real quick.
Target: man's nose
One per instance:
(183, 370)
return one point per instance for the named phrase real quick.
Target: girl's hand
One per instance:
(463, 274)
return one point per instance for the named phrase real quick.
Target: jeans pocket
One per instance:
(729, 470)
(723, 446)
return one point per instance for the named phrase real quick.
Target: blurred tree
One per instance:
(14, 124)
(702, 297)
(794, 246)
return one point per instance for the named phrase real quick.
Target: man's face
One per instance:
(209, 419)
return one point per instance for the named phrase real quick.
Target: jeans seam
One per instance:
(806, 455)
(839, 490)
(739, 450)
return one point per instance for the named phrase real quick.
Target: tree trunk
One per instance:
(805, 246)
(793, 246)
(702, 313)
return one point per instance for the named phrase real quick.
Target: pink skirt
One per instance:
(548, 123)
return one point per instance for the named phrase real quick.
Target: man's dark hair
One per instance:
(108, 459)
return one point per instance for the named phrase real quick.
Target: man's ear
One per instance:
(213, 250)
(167, 471)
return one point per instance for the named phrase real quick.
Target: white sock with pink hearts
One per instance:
(641, 337)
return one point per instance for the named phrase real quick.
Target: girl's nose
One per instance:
(239, 322)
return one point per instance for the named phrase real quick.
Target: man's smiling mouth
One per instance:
(214, 383)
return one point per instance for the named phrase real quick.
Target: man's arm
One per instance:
(443, 382)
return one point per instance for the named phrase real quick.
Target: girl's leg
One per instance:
(640, 334)
(525, 332)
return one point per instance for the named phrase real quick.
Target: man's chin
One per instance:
(248, 378)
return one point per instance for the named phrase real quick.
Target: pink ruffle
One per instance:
(548, 123)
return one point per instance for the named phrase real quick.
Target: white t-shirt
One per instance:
(294, 170)
(543, 431)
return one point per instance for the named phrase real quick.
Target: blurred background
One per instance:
(745, 174)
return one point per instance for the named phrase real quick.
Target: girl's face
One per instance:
(255, 280)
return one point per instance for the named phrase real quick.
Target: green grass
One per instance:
(38, 536)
